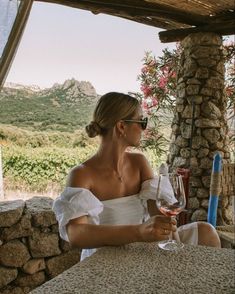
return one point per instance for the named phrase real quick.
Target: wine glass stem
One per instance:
(170, 237)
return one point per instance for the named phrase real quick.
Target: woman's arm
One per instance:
(84, 235)
(146, 174)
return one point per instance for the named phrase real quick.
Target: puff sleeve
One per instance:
(73, 203)
(149, 190)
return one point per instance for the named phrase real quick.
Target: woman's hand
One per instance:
(157, 228)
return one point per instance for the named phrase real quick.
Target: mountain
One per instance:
(63, 107)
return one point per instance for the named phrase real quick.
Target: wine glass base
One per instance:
(170, 245)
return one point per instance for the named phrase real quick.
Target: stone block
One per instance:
(193, 89)
(199, 141)
(201, 39)
(193, 81)
(215, 83)
(34, 265)
(202, 152)
(197, 99)
(190, 68)
(181, 142)
(44, 244)
(21, 229)
(41, 210)
(55, 228)
(10, 212)
(202, 193)
(179, 107)
(206, 91)
(199, 215)
(185, 152)
(14, 254)
(193, 203)
(64, 245)
(24, 280)
(206, 180)
(180, 162)
(207, 62)
(205, 51)
(207, 123)
(181, 93)
(7, 275)
(205, 203)
(188, 112)
(12, 290)
(195, 181)
(202, 73)
(220, 68)
(210, 110)
(193, 162)
(185, 130)
(196, 171)
(212, 135)
(58, 264)
(206, 163)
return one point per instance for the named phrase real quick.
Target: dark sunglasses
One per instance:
(143, 122)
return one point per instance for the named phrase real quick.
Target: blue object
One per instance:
(214, 189)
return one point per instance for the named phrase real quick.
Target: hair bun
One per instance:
(93, 129)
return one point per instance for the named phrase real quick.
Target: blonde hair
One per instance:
(111, 108)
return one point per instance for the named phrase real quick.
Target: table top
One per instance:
(144, 268)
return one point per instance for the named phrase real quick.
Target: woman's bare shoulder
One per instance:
(137, 157)
(140, 162)
(79, 176)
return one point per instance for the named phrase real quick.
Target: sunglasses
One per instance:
(143, 122)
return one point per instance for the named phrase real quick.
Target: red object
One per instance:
(185, 173)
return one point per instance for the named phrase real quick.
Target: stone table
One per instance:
(144, 268)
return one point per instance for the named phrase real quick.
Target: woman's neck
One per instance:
(112, 155)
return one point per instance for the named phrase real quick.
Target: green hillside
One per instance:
(65, 107)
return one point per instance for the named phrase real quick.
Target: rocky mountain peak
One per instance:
(76, 88)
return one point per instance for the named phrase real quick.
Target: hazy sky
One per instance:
(61, 43)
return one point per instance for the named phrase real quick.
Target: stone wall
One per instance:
(199, 126)
(31, 251)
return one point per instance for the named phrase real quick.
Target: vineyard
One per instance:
(40, 169)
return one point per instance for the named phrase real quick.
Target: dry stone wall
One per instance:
(31, 251)
(199, 126)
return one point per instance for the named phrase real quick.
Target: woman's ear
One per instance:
(120, 128)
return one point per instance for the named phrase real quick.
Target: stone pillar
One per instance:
(199, 128)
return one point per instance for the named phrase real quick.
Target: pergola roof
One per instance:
(177, 17)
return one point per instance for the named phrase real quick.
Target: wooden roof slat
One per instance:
(139, 8)
(182, 16)
(225, 28)
(200, 7)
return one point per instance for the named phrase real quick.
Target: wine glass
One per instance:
(170, 201)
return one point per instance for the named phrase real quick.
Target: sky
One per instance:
(61, 43)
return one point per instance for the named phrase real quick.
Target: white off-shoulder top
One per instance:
(76, 202)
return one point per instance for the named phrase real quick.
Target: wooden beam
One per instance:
(14, 39)
(154, 22)
(224, 28)
(135, 9)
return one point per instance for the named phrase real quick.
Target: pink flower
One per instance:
(145, 104)
(154, 102)
(162, 82)
(144, 69)
(146, 90)
(173, 74)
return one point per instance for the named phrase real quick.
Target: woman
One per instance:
(109, 198)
